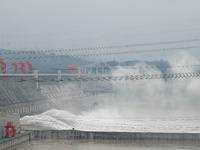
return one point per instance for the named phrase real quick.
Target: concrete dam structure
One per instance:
(30, 97)
(72, 110)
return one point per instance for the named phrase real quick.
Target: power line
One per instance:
(107, 47)
(102, 53)
(133, 67)
(133, 77)
(139, 51)
(155, 67)
(115, 78)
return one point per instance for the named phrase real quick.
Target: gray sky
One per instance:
(44, 24)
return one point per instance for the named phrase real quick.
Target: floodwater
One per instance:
(105, 145)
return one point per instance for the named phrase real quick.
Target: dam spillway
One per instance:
(59, 107)
(70, 104)
(100, 121)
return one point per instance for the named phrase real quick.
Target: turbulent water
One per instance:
(137, 106)
(103, 119)
(170, 106)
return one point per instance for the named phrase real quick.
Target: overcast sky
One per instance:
(90, 23)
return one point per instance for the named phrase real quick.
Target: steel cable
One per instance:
(109, 47)
(115, 78)
(100, 54)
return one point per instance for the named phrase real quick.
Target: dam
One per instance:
(94, 75)
(51, 109)
(26, 94)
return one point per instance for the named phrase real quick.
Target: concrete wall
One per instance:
(74, 134)
(31, 97)
(61, 92)
(12, 92)
(8, 142)
(26, 108)
(21, 97)
(70, 96)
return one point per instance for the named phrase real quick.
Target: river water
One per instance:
(105, 145)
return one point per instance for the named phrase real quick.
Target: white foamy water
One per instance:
(136, 106)
(52, 119)
(112, 120)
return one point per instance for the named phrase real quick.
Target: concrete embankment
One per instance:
(21, 97)
(87, 135)
(19, 138)
(75, 134)
(30, 97)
